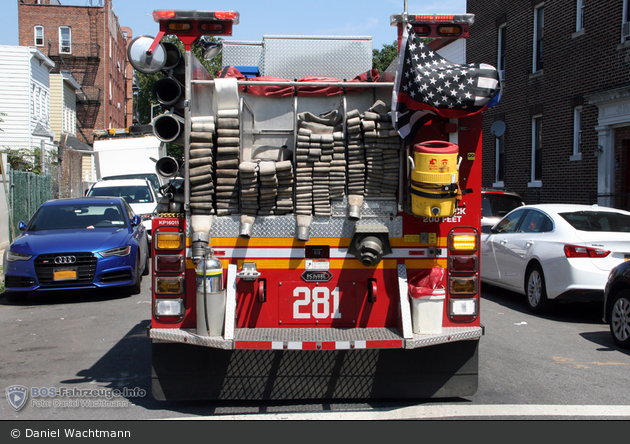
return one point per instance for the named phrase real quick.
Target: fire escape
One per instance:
(82, 60)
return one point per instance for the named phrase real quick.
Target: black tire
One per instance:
(136, 288)
(619, 319)
(536, 291)
(16, 296)
(147, 265)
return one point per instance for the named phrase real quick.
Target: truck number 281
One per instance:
(321, 307)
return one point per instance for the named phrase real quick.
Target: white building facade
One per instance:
(25, 99)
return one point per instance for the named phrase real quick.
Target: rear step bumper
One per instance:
(315, 339)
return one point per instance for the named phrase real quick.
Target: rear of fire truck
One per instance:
(311, 251)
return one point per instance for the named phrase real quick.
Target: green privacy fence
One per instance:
(27, 191)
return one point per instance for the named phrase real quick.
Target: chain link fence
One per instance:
(26, 191)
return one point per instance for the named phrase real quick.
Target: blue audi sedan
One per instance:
(78, 244)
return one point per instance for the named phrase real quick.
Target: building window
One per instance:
(625, 25)
(577, 132)
(536, 178)
(39, 36)
(579, 24)
(65, 40)
(499, 175)
(501, 54)
(539, 33)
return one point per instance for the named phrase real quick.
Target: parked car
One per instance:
(555, 252)
(153, 178)
(496, 203)
(139, 194)
(617, 304)
(77, 244)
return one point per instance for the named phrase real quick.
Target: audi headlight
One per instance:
(119, 251)
(12, 256)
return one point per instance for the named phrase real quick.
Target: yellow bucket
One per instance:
(434, 179)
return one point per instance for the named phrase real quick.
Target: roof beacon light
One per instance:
(414, 19)
(178, 14)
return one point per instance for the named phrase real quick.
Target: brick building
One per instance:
(89, 43)
(565, 101)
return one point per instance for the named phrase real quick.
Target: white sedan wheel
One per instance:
(536, 291)
(620, 320)
(534, 288)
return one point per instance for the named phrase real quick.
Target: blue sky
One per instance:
(269, 17)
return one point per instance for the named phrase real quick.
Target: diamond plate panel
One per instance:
(370, 207)
(294, 57)
(243, 52)
(190, 337)
(449, 334)
(316, 334)
(285, 226)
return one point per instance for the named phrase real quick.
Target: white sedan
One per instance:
(553, 252)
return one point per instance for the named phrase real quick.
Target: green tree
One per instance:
(29, 160)
(381, 59)
(145, 99)
(146, 104)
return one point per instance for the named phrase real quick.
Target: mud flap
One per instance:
(185, 372)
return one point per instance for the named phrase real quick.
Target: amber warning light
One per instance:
(436, 25)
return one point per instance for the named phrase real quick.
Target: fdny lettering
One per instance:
(168, 222)
(456, 218)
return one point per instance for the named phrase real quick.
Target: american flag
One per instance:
(427, 85)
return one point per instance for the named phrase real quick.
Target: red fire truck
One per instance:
(305, 249)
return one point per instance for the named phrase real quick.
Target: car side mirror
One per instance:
(21, 225)
(136, 220)
(486, 229)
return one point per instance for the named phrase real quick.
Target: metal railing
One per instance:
(621, 201)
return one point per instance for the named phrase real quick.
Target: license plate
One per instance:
(64, 275)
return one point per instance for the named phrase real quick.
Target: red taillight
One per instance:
(211, 27)
(422, 29)
(463, 264)
(572, 251)
(169, 264)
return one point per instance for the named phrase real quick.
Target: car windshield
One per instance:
(598, 221)
(132, 194)
(77, 216)
(498, 205)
